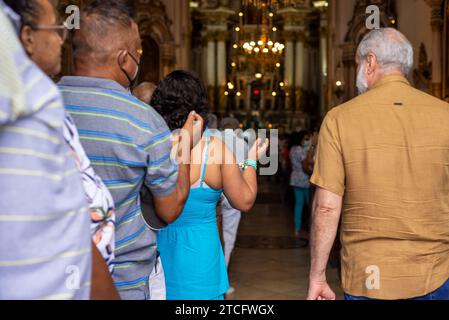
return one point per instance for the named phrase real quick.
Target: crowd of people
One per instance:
(110, 190)
(116, 213)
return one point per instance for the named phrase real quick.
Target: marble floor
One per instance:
(271, 272)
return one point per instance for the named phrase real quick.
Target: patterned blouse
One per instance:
(298, 177)
(98, 197)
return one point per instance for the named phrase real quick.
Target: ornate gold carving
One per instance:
(422, 76)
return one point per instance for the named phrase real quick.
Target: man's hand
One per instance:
(194, 128)
(102, 287)
(320, 290)
(326, 211)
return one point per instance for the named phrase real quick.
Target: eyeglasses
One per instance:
(60, 30)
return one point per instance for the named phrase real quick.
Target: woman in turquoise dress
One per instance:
(190, 248)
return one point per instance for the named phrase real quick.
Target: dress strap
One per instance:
(205, 157)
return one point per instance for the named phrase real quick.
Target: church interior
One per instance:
(280, 64)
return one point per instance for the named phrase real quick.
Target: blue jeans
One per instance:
(302, 196)
(441, 293)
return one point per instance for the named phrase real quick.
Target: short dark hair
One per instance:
(97, 19)
(117, 10)
(28, 10)
(297, 137)
(178, 94)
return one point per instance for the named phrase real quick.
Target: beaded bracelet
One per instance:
(250, 163)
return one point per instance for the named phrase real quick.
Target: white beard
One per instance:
(362, 83)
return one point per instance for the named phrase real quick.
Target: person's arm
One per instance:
(308, 161)
(169, 207)
(241, 189)
(326, 211)
(102, 286)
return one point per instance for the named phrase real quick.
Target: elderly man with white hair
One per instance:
(382, 164)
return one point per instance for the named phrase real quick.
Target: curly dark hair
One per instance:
(178, 94)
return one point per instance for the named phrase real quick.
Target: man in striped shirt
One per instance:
(127, 141)
(45, 246)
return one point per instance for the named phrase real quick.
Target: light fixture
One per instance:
(260, 43)
(230, 86)
(239, 94)
(278, 65)
(237, 29)
(274, 94)
(258, 75)
(275, 29)
(235, 46)
(240, 14)
(271, 14)
(320, 4)
(338, 83)
(270, 43)
(233, 64)
(256, 49)
(226, 93)
(282, 84)
(252, 43)
(265, 50)
(194, 4)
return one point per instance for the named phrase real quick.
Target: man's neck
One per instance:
(390, 73)
(94, 72)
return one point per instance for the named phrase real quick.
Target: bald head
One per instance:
(106, 26)
(108, 44)
(144, 91)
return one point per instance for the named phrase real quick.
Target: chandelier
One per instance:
(256, 32)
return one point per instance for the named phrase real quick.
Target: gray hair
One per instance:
(391, 47)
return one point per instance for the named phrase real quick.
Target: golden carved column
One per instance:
(216, 30)
(289, 80)
(294, 26)
(167, 58)
(436, 22)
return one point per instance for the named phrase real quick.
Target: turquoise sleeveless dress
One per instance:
(190, 248)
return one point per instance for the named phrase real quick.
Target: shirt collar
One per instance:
(389, 79)
(90, 82)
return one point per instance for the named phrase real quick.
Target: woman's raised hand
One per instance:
(258, 149)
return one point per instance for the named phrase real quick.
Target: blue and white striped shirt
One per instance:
(45, 244)
(128, 144)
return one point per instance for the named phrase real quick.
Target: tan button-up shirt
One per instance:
(387, 153)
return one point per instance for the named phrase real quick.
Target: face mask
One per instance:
(307, 144)
(362, 83)
(132, 81)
